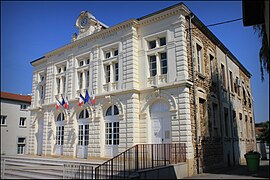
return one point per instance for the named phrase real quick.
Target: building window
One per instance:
(223, 76)
(3, 120)
(107, 55)
(58, 80)
(226, 118)
(80, 80)
(116, 72)
(24, 106)
(84, 114)
(107, 73)
(60, 117)
(211, 66)
(65, 68)
(83, 135)
(162, 41)
(246, 121)
(215, 117)
(88, 61)
(81, 63)
(163, 63)
(152, 44)
(231, 81)
(199, 58)
(21, 145)
(115, 53)
(22, 122)
(244, 96)
(87, 74)
(112, 133)
(60, 135)
(64, 84)
(153, 65)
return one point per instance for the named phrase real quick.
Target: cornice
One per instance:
(100, 34)
(158, 16)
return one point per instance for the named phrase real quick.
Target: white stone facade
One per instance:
(140, 74)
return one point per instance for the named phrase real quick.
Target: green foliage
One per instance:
(264, 136)
(264, 51)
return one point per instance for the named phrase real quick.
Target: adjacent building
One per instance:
(161, 78)
(15, 120)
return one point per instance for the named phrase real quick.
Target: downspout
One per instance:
(230, 109)
(194, 95)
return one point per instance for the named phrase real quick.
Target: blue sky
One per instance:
(31, 29)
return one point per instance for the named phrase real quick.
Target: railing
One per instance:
(3, 168)
(139, 157)
(77, 171)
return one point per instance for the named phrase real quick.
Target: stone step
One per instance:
(28, 175)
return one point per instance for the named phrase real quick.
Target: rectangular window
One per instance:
(211, 66)
(41, 92)
(152, 44)
(22, 122)
(21, 145)
(59, 135)
(59, 70)
(162, 41)
(115, 53)
(226, 118)
(235, 85)
(58, 81)
(246, 121)
(83, 137)
(80, 80)
(215, 118)
(199, 58)
(223, 76)
(108, 55)
(65, 68)
(87, 73)
(24, 106)
(3, 120)
(116, 72)
(231, 81)
(153, 66)
(81, 63)
(107, 73)
(112, 133)
(163, 63)
(64, 84)
(87, 61)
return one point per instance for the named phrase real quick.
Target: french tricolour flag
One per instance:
(81, 100)
(66, 103)
(57, 103)
(93, 99)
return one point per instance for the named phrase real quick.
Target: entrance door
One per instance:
(40, 137)
(161, 132)
(83, 140)
(160, 123)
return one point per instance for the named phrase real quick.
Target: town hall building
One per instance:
(159, 79)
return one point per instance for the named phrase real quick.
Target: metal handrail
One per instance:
(140, 157)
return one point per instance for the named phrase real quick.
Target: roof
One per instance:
(15, 97)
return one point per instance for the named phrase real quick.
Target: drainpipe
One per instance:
(194, 95)
(230, 108)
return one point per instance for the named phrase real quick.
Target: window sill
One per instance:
(3, 125)
(22, 126)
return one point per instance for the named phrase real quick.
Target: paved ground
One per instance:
(236, 172)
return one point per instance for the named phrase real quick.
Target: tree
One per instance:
(264, 50)
(264, 136)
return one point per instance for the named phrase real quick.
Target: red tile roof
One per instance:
(15, 97)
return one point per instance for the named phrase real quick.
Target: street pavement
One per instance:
(236, 172)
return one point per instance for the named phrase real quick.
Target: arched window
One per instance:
(60, 129)
(112, 110)
(84, 114)
(60, 117)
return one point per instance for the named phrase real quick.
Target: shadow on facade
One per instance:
(219, 144)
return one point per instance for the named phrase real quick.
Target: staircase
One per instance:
(24, 167)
